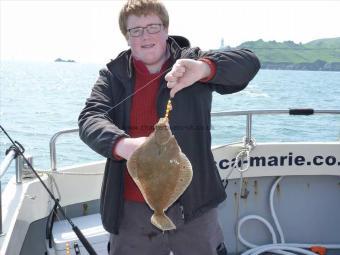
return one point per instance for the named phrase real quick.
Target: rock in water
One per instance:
(161, 171)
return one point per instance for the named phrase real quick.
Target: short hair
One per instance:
(142, 8)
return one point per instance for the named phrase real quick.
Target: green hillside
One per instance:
(322, 54)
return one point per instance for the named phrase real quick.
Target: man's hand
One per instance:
(184, 73)
(126, 146)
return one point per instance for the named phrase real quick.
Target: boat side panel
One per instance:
(307, 208)
(276, 159)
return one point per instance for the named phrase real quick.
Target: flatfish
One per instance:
(161, 171)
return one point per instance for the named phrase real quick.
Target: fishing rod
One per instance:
(20, 151)
(76, 230)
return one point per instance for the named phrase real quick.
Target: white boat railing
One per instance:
(20, 166)
(11, 154)
(53, 149)
(249, 114)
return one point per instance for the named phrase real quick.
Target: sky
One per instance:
(87, 31)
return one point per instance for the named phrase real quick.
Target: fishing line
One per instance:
(138, 90)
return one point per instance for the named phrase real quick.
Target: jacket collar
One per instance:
(122, 66)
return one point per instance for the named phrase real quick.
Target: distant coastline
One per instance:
(317, 55)
(317, 65)
(65, 60)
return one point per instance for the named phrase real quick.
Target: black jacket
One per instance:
(100, 125)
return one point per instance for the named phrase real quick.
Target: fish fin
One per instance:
(163, 222)
(185, 177)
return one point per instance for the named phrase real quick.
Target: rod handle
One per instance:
(84, 241)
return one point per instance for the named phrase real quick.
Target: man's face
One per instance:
(150, 48)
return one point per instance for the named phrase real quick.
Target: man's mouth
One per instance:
(148, 46)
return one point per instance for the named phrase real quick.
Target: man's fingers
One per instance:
(171, 84)
(170, 78)
(175, 88)
(174, 76)
(174, 91)
(179, 74)
(176, 71)
(179, 70)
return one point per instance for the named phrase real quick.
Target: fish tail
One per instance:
(163, 222)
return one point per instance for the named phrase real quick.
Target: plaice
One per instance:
(161, 171)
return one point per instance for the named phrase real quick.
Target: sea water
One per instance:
(39, 99)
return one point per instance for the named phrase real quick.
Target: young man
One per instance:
(114, 125)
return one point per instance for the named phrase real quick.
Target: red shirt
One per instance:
(143, 117)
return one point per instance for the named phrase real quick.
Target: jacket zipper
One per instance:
(182, 211)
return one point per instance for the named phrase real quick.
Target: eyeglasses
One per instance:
(139, 31)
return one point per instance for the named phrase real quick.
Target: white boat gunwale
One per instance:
(18, 195)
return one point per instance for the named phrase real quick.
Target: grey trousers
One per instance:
(201, 236)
